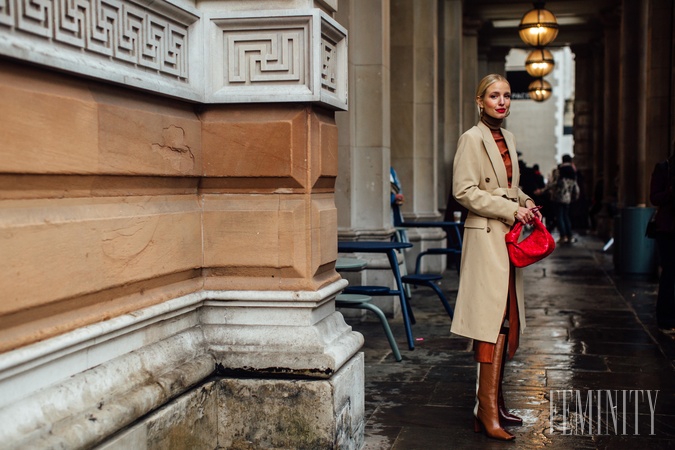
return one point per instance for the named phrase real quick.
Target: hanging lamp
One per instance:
(539, 62)
(540, 90)
(538, 27)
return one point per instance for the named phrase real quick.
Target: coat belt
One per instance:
(510, 193)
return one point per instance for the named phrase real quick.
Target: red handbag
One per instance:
(534, 247)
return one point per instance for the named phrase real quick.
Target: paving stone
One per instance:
(589, 330)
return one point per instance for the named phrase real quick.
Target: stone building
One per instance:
(176, 174)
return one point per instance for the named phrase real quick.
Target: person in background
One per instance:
(528, 180)
(539, 181)
(490, 307)
(396, 199)
(566, 192)
(662, 195)
(545, 196)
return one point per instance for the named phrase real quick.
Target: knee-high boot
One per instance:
(505, 417)
(487, 409)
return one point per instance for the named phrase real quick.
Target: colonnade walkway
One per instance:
(592, 370)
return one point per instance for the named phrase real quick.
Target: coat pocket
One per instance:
(476, 222)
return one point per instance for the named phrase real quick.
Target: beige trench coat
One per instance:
(480, 184)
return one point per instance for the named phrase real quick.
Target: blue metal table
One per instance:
(390, 249)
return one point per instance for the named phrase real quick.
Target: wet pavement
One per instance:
(591, 342)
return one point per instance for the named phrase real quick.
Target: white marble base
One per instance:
(257, 413)
(75, 390)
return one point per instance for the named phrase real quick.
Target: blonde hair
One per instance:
(485, 83)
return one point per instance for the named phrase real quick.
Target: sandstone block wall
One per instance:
(112, 200)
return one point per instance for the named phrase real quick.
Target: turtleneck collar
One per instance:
(491, 122)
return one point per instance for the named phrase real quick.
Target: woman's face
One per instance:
(497, 100)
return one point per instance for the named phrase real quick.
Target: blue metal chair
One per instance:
(358, 301)
(453, 249)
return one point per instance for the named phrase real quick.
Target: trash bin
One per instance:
(636, 252)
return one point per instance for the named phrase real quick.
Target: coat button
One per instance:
(487, 180)
(488, 229)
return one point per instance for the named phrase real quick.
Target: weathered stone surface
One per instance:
(292, 414)
(82, 410)
(189, 422)
(251, 414)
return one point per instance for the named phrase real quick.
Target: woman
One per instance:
(485, 181)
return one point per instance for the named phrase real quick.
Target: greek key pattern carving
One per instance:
(328, 66)
(120, 30)
(260, 57)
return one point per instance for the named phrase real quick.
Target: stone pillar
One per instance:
(170, 224)
(583, 126)
(470, 76)
(583, 107)
(632, 98)
(362, 192)
(597, 145)
(363, 187)
(414, 122)
(450, 53)
(659, 139)
(610, 132)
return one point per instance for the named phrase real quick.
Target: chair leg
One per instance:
(411, 314)
(444, 300)
(387, 329)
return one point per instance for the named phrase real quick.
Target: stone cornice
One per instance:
(174, 49)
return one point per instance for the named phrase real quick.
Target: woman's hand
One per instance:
(526, 215)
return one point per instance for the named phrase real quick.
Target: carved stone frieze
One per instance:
(116, 40)
(218, 56)
(291, 56)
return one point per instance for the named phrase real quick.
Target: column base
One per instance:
(258, 413)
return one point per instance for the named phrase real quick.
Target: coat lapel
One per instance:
(494, 155)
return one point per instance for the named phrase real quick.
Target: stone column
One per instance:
(583, 106)
(632, 97)
(414, 116)
(450, 52)
(583, 126)
(363, 187)
(362, 191)
(597, 145)
(169, 232)
(470, 77)
(659, 139)
(610, 133)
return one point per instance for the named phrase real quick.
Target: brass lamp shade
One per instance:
(539, 63)
(538, 27)
(540, 90)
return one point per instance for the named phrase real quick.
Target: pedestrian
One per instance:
(545, 196)
(490, 307)
(396, 200)
(662, 195)
(566, 192)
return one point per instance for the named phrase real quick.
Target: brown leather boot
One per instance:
(505, 417)
(487, 411)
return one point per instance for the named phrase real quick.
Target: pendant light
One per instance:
(538, 27)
